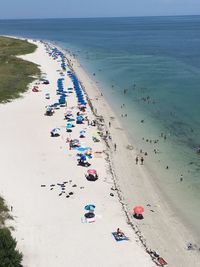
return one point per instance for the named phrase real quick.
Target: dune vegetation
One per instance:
(15, 73)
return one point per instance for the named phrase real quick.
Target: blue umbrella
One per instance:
(69, 126)
(83, 157)
(81, 149)
(90, 207)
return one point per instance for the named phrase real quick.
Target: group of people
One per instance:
(141, 160)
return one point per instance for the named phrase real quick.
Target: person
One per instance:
(115, 146)
(120, 233)
(181, 178)
(142, 160)
(109, 124)
(136, 160)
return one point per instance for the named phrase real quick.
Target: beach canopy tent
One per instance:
(90, 207)
(75, 143)
(49, 111)
(45, 82)
(55, 132)
(47, 95)
(138, 210)
(82, 133)
(79, 119)
(92, 171)
(92, 175)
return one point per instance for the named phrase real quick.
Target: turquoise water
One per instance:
(157, 61)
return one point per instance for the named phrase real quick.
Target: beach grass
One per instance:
(15, 73)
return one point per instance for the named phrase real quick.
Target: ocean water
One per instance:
(149, 69)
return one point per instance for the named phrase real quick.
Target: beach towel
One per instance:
(119, 238)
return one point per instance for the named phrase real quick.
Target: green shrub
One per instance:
(15, 73)
(9, 255)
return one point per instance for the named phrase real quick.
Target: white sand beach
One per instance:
(50, 228)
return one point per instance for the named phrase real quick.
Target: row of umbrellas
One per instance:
(56, 53)
(137, 210)
(91, 207)
(77, 88)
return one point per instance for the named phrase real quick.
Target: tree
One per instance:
(9, 256)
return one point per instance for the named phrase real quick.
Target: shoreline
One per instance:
(185, 235)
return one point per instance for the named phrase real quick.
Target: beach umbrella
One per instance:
(138, 210)
(82, 133)
(81, 149)
(83, 158)
(69, 125)
(70, 119)
(92, 172)
(90, 207)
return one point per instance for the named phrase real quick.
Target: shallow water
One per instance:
(157, 61)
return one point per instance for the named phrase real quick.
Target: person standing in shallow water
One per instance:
(142, 160)
(136, 160)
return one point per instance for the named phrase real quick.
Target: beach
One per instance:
(50, 228)
(161, 230)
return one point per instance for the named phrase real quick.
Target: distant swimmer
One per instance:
(181, 178)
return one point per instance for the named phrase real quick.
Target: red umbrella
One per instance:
(92, 172)
(138, 210)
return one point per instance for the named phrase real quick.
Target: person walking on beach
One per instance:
(181, 178)
(109, 124)
(115, 146)
(142, 160)
(136, 160)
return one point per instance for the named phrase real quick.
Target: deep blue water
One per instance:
(157, 61)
